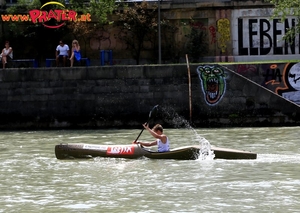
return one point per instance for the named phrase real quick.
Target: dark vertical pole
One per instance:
(190, 90)
(159, 36)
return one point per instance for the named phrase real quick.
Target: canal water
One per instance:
(33, 180)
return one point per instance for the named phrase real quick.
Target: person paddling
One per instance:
(162, 141)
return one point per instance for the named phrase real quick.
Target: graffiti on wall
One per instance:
(255, 33)
(197, 25)
(291, 78)
(260, 36)
(213, 83)
(245, 69)
(213, 34)
(223, 28)
(281, 78)
(272, 75)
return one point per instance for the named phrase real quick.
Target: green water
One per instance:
(33, 180)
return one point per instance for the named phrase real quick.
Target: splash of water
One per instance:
(205, 152)
(171, 117)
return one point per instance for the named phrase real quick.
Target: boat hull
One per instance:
(184, 153)
(232, 154)
(193, 153)
(81, 150)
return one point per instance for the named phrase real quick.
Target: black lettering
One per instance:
(263, 33)
(298, 40)
(242, 49)
(290, 42)
(265, 37)
(273, 74)
(277, 50)
(253, 50)
(278, 74)
(269, 76)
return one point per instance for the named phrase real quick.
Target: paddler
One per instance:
(162, 141)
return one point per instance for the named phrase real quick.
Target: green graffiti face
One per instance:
(213, 83)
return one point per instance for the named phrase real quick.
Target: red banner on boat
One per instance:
(120, 150)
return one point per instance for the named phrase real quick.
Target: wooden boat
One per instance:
(81, 150)
(181, 153)
(193, 153)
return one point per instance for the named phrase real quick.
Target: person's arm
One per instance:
(10, 51)
(72, 53)
(148, 143)
(68, 51)
(153, 143)
(162, 137)
(56, 52)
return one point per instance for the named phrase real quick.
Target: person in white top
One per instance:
(6, 54)
(162, 141)
(62, 53)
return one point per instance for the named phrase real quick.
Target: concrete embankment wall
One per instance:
(122, 96)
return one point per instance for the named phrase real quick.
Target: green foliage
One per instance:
(284, 8)
(42, 40)
(77, 5)
(138, 24)
(100, 9)
(23, 6)
(231, 116)
(170, 48)
(196, 46)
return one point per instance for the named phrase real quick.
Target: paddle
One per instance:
(150, 113)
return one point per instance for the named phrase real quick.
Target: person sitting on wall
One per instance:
(75, 52)
(62, 53)
(6, 54)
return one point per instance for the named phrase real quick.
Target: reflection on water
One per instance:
(33, 180)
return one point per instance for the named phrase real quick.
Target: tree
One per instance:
(81, 31)
(43, 39)
(26, 36)
(170, 48)
(138, 25)
(196, 46)
(99, 9)
(284, 8)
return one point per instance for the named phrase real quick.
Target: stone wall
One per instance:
(281, 78)
(122, 96)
